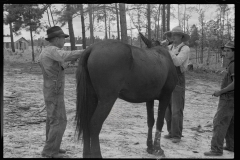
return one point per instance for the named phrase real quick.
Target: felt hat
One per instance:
(177, 30)
(229, 44)
(55, 31)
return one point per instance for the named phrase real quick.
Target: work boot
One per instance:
(213, 153)
(176, 140)
(168, 136)
(228, 149)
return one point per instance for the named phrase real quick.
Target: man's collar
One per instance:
(181, 44)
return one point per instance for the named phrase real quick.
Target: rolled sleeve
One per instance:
(70, 55)
(183, 55)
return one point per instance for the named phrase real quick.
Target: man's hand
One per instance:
(165, 42)
(217, 93)
(223, 72)
(64, 65)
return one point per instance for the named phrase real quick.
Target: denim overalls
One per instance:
(53, 91)
(174, 112)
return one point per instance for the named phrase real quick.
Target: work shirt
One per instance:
(180, 59)
(52, 57)
(228, 79)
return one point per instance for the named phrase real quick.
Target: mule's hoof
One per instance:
(86, 155)
(150, 150)
(159, 152)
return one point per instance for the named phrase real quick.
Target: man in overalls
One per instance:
(180, 54)
(223, 122)
(52, 62)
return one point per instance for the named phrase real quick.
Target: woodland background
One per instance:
(151, 19)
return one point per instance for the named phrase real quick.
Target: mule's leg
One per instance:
(86, 145)
(102, 111)
(150, 122)
(163, 103)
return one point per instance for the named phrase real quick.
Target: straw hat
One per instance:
(177, 30)
(55, 31)
(229, 44)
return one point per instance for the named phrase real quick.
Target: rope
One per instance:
(207, 93)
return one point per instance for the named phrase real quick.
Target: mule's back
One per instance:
(136, 75)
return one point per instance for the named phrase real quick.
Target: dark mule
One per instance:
(111, 69)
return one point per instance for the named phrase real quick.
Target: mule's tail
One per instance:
(86, 96)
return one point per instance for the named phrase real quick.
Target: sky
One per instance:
(209, 14)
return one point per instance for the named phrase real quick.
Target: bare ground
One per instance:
(124, 132)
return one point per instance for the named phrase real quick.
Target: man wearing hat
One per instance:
(180, 54)
(223, 122)
(52, 62)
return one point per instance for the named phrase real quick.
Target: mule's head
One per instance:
(155, 43)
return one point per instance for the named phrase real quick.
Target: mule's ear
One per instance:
(158, 43)
(145, 40)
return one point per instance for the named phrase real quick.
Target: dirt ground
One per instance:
(124, 132)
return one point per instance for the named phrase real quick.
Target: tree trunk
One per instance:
(149, 21)
(168, 17)
(159, 11)
(123, 23)
(160, 27)
(155, 28)
(91, 24)
(179, 17)
(93, 14)
(202, 43)
(163, 20)
(208, 55)
(224, 9)
(217, 47)
(51, 15)
(196, 54)
(118, 32)
(139, 27)
(33, 59)
(48, 19)
(229, 35)
(184, 19)
(219, 50)
(11, 34)
(109, 34)
(83, 27)
(105, 17)
(70, 29)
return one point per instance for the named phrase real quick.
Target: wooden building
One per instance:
(20, 44)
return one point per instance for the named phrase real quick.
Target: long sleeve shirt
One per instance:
(51, 57)
(182, 58)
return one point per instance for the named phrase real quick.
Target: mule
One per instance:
(111, 69)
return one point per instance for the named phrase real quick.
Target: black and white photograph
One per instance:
(118, 80)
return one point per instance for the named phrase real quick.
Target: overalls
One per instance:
(53, 91)
(223, 122)
(174, 112)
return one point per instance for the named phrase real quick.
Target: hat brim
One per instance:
(186, 37)
(226, 47)
(61, 35)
